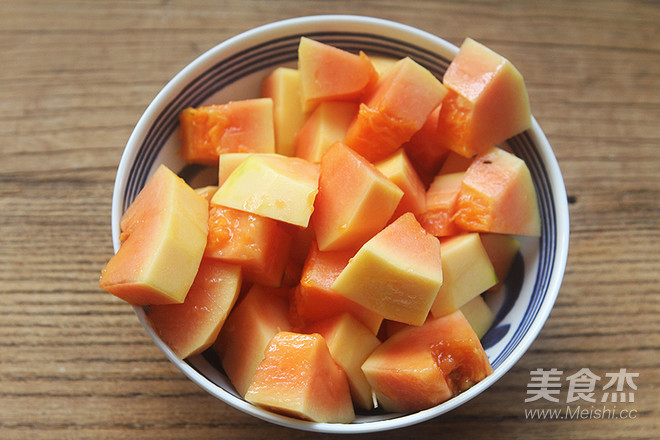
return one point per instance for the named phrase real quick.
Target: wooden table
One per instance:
(75, 78)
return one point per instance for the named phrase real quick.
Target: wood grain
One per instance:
(75, 78)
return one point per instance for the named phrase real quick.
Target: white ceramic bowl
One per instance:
(233, 70)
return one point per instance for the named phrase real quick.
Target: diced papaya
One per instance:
(299, 378)
(399, 106)
(425, 149)
(282, 85)
(467, 273)
(259, 316)
(420, 367)
(400, 171)
(228, 162)
(441, 202)
(238, 126)
(192, 327)
(396, 274)
(487, 103)
(164, 189)
(375, 134)
(328, 73)
(479, 315)
(163, 238)
(497, 195)
(354, 202)
(501, 250)
(314, 299)
(326, 125)
(259, 245)
(350, 344)
(279, 187)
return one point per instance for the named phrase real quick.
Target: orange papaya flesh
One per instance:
(483, 83)
(255, 319)
(298, 377)
(328, 73)
(314, 299)
(422, 366)
(441, 202)
(354, 201)
(258, 244)
(244, 126)
(498, 195)
(192, 327)
(376, 135)
(398, 107)
(425, 149)
(163, 234)
(401, 172)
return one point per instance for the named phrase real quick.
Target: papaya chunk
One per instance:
(441, 201)
(299, 377)
(241, 344)
(487, 103)
(163, 236)
(422, 366)
(467, 272)
(282, 85)
(497, 195)
(350, 343)
(479, 315)
(279, 187)
(244, 126)
(399, 106)
(400, 171)
(396, 274)
(314, 299)
(259, 245)
(192, 327)
(326, 125)
(425, 149)
(354, 202)
(328, 73)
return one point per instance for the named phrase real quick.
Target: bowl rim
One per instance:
(377, 25)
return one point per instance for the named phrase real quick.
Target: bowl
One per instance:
(233, 70)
